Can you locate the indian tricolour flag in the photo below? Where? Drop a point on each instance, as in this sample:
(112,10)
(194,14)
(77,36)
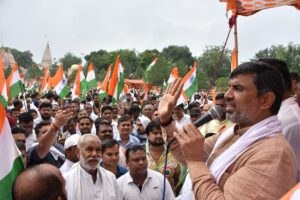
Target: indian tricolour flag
(190,85)
(124,92)
(32,85)
(13,83)
(173,75)
(148,71)
(10,158)
(80,85)
(103,89)
(3,89)
(90,77)
(45,84)
(59,83)
(116,83)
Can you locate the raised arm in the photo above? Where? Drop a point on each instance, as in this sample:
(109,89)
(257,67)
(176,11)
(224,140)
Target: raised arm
(48,139)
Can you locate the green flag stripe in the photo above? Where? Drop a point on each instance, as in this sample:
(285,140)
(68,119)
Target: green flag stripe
(64,92)
(15,89)
(7,182)
(92,84)
(192,89)
(3,101)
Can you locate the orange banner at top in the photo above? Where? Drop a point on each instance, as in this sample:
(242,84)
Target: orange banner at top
(249,7)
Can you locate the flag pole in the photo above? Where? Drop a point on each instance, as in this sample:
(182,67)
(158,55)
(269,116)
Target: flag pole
(236,41)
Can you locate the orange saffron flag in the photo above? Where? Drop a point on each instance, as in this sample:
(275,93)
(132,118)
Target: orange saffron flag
(249,7)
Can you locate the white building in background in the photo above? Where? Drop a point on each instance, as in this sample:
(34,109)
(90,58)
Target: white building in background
(47,57)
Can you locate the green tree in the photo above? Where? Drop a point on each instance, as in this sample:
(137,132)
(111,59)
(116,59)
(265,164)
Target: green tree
(23,58)
(34,72)
(203,80)
(102,59)
(177,54)
(222,84)
(290,54)
(209,59)
(68,60)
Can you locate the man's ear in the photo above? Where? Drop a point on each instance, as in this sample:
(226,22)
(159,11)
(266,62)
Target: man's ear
(78,152)
(267,100)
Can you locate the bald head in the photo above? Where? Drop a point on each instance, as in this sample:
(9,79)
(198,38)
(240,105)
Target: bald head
(46,182)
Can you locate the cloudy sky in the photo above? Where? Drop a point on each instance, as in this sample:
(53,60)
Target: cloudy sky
(82,26)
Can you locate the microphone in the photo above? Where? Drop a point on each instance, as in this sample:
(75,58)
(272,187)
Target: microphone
(216,112)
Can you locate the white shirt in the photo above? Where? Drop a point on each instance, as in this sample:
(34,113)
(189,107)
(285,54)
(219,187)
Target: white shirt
(289,115)
(30,140)
(152,188)
(184,121)
(66,166)
(93,116)
(80,185)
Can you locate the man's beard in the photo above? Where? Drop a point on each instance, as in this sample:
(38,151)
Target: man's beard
(156,142)
(140,132)
(85,131)
(47,117)
(238,115)
(85,163)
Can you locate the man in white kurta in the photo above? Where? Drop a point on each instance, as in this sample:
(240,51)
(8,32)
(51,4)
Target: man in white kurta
(87,180)
(80,185)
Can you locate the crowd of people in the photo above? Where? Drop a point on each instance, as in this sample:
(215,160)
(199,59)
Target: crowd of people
(89,148)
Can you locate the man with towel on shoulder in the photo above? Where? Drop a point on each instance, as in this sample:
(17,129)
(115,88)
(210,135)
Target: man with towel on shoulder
(250,160)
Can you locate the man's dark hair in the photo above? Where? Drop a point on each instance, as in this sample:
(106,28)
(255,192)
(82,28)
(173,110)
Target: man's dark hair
(265,78)
(13,110)
(45,105)
(34,95)
(85,117)
(101,121)
(124,118)
(108,143)
(17,103)
(153,125)
(104,108)
(220,96)
(282,68)
(49,95)
(25,117)
(32,111)
(49,185)
(135,108)
(16,130)
(77,101)
(95,94)
(39,126)
(295,76)
(134,148)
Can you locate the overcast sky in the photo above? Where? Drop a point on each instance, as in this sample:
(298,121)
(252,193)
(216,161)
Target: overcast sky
(82,26)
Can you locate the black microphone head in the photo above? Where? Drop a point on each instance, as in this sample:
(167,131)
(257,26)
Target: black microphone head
(216,112)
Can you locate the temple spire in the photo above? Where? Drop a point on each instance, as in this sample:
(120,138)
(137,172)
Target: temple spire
(47,57)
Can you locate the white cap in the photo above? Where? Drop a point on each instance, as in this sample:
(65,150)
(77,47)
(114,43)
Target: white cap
(71,141)
(144,120)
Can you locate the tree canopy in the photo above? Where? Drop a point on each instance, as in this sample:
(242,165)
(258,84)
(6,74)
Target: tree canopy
(290,54)
(135,63)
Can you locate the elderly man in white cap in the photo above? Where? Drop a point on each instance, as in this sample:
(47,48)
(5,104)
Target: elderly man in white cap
(70,151)
(141,124)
